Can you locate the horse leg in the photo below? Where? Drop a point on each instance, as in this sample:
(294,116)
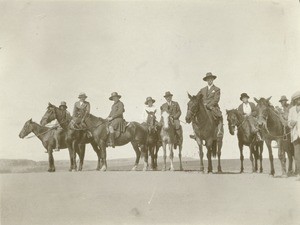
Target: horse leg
(98,152)
(75,146)
(268,143)
(201,154)
(144,151)
(219,147)
(155,155)
(81,155)
(261,148)
(251,147)
(164,168)
(179,155)
(151,150)
(210,169)
(51,161)
(171,157)
(138,155)
(289,151)
(281,156)
(103,156)
(241,157)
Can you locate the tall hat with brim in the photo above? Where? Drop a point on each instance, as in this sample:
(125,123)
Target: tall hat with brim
(209,75)
(244,95)
(296,96)
(283,98)
(82,95)
(149,99)
(114,94)
(64,104)
(168,94)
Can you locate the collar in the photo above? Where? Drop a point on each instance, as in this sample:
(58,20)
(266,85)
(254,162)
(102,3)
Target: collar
(209,87)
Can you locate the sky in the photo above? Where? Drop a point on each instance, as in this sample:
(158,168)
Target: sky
(52,51)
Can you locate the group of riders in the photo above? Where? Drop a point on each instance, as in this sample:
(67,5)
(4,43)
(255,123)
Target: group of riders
(210,96)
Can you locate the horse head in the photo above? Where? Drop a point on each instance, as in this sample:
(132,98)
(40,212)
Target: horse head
(232,119)
(49,115)
(166,119)
(192,107)
(262,108)
(151,121)
(27,129)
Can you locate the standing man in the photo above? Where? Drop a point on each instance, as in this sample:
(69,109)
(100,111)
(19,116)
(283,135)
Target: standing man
(173,109)
(284,110)
(211,97)
(115,118)
(80,111)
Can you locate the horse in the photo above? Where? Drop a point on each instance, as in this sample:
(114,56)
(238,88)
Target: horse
(205,128)
(46,135)
(75,138)
(168,137)
(134,133)
(272,129)
(153,139)
(245,137)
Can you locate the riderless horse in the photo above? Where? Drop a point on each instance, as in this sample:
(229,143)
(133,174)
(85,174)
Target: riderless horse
(272,129)
(75,138)
(134,133)
(205,128)
(46,136)
(236,121)
(168,137)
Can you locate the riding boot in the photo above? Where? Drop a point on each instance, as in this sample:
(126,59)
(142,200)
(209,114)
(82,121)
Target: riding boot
(112,139)
(220,129)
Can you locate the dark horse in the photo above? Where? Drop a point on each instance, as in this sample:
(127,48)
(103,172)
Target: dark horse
(237,121)
(75,138)
(46,135)
(134,133)
(205,128)
(272,129)
(153,140)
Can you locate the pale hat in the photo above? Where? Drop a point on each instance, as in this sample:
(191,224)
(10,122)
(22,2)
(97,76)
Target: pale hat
(149,99)
(114,94)
(82,95)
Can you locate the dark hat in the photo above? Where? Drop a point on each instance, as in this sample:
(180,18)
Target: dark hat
(209,75)
(82,95)
(114,94)
(149,99)
(63,104)
(244,95)
(283,98)
(167,94)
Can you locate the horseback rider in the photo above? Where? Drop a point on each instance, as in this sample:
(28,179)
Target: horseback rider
(115,118)
(173,109)
(80,111)
(211,97)
(248,110)
(149,108)
(58,133)
(284,112)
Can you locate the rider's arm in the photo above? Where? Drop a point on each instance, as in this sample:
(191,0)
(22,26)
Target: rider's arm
(119,110)
(178,112)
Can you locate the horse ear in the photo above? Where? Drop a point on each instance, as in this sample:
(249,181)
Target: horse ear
(30,120)
(255,99)
(227,111)
(154,111)
(268,99)
(189,95)
(147,112)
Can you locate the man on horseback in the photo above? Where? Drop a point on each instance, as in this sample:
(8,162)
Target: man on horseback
(67,117)
(211,97)
(80,111)
(248,110)
(115,118)
(173,109)
(284,112)
(148,108)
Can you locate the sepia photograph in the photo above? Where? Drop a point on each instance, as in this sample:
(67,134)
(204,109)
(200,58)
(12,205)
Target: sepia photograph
(134,112)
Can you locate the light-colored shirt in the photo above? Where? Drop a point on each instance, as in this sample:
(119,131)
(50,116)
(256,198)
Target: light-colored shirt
(209,86)
(294,116)
(247,109)
(149,109)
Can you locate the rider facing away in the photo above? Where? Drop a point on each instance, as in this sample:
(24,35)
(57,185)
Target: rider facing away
(115,118)
(211,97)
(248,110)
(173,109)
(80,111)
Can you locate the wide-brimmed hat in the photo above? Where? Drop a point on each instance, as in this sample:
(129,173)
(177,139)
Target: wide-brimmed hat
(209,75)
(283,98)
(167,94)
(149,99)
(114,94)
(296,96)
(244,95)
(82,95)
(64,104)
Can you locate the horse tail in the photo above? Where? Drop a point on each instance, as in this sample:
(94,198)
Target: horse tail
(214,148)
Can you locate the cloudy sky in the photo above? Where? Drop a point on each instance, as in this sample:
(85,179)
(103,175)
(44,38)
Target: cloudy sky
(51,51)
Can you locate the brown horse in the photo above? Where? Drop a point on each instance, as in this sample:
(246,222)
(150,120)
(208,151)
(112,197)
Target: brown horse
(237,121)
(134,133)
(46,135)
(205,128)
(153,139)
(75,138)
(272,129)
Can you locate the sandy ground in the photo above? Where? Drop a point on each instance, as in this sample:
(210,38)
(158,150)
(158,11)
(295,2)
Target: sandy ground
(116,197)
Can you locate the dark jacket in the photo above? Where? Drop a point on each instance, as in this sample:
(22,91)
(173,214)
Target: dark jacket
(117,110)
(81,111)
(210,97)
(173,109)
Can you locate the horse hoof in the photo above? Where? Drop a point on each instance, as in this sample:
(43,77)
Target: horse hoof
(172,169)
(284,176)
(103,169)
(163,169)
(260,170)
(145,169)
(181,169)
(202,172)
(220,171)
(134,168)
(242,171)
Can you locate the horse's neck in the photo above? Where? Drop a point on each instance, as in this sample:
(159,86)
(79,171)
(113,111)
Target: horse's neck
(202,116)
(92,121)
(273,121)
(61,118)
(39,130)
